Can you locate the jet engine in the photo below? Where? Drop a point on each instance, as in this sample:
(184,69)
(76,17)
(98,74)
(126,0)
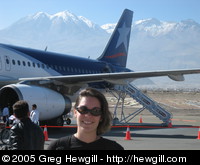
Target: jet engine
(51,104)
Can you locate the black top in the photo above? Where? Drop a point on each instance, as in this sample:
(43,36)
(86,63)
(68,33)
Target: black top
(72,143)
(25,135)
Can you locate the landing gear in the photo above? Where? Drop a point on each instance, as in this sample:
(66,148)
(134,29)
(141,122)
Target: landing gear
(68,121)
(54,122)
(59,121)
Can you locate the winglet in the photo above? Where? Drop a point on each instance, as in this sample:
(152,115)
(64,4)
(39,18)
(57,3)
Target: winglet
(116,50)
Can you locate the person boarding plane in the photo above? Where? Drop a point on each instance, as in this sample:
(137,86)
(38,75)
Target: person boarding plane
(51,79)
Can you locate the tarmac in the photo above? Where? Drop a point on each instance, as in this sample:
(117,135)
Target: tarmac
(145,136)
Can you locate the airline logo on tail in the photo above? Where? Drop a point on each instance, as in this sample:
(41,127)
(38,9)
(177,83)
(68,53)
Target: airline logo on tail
(117,48)
(123,39)
(116,55)
(123,36)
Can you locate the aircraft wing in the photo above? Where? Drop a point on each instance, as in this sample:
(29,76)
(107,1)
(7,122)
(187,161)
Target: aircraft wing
(115,78)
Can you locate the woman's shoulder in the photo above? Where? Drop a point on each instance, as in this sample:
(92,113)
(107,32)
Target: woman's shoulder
(110,144)
(60,144)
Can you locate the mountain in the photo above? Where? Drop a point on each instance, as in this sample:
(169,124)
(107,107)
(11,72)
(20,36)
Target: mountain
(173,45)
(154,44)
(62,32)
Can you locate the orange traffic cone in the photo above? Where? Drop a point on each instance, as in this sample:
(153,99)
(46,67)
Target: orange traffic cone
(45,133)
(198,134)
(140,121)
(128,135)
(170,123)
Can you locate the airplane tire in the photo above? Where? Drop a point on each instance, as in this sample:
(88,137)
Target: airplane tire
(59,121)
(5,135)
(68,121)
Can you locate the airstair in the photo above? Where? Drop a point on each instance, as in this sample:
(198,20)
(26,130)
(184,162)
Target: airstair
(145,101)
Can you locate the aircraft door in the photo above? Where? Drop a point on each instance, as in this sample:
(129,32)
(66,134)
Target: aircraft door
(7,63)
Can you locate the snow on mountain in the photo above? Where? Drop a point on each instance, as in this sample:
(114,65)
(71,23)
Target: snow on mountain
(109,27)
(62,32)
(172,45)
(59,23)
(154,44)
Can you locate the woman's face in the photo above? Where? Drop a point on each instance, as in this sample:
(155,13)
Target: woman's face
(87,122)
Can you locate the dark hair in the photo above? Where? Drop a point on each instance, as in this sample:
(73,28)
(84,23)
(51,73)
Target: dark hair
(106,117)
(34,105)
(21,109)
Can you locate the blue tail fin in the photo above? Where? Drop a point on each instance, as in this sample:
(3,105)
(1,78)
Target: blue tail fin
(116,50)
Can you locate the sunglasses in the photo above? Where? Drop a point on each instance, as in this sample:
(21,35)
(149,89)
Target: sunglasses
(94,111)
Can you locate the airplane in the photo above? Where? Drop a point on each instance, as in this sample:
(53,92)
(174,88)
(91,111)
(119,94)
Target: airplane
(52,80)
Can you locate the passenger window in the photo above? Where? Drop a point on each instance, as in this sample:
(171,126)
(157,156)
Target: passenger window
(38,65)
(43,66)
(13,62)
(7,61)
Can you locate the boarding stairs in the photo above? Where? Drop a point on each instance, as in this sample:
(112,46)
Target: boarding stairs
(145,101)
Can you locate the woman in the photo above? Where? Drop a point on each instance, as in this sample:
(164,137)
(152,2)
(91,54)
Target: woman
(93,119)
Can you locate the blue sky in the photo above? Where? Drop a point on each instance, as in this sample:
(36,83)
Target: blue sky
(102,11)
